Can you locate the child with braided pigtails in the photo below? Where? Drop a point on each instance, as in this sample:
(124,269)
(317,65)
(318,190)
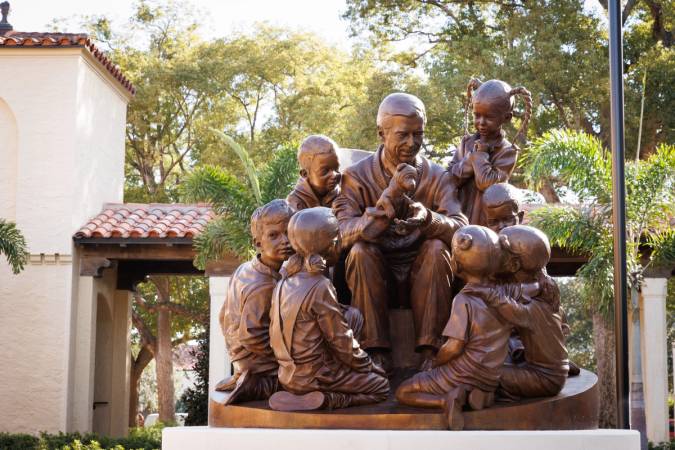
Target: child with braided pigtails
(487,157)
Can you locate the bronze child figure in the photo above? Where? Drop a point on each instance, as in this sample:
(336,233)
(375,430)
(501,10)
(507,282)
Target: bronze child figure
(245,318)
(487,157)
(321,365)
(532,305)
(502,207)
(473,356)
(319,181)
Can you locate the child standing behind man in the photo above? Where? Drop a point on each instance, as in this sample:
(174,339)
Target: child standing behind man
(487,157)
(319,181)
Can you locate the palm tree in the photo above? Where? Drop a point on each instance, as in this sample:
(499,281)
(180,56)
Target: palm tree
(580,163)
(234,199)
(13,246)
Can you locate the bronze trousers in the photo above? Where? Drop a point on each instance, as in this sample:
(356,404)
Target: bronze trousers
(369,270)
(526,381)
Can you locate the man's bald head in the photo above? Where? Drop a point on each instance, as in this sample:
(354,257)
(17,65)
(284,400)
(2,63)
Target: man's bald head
(400,104)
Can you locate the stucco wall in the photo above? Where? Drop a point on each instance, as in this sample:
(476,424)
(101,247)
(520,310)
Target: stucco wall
(8,157)
(69,144)
(34,335)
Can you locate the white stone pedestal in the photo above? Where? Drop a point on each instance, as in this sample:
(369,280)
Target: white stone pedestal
(206,438)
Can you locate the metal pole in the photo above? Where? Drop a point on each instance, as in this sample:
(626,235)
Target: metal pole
(618,212)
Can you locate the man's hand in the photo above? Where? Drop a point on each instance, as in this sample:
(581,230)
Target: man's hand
(418,217)
(377,223)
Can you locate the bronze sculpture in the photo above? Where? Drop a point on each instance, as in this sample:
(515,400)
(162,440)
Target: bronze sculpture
(534,309)
(379,260)
(473,356)
(319,182)
(397,216)
(487,157)
(320,362)
(502,207)
(244,317)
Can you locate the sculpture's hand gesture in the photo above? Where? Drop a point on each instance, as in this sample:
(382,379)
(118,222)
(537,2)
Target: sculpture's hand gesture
(418,217)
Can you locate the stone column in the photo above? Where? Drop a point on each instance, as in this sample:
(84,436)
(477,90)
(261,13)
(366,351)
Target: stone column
(219,361)
(121,363)
(654,357)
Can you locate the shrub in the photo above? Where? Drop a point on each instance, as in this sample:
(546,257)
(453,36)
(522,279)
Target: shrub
(139,439)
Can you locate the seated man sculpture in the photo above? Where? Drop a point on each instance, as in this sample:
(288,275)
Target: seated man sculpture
(413,252)
(473,356)
(245,318)
(320,362)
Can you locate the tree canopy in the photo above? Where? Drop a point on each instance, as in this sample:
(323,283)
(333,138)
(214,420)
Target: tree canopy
(555,48)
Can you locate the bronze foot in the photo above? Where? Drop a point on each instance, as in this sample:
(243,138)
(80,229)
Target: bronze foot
(453,409)
(480,399)
(286,401)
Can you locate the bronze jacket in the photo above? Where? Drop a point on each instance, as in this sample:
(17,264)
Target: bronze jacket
(245,317)
(310,337)
(302,196)
(474,175)
(363,183)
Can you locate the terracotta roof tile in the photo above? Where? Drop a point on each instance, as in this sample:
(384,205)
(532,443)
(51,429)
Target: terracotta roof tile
(154,220)
(31,39)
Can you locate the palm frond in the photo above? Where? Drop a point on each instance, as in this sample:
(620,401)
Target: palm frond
(650,186)
(574,159)
(578,230)
(225,234)
(278,177)
(247,162)
(213,185)
(13,246)
(663,247)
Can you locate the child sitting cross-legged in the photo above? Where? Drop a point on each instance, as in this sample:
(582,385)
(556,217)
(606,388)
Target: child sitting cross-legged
(472,358)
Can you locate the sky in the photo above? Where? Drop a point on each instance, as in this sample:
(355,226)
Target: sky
(222,17)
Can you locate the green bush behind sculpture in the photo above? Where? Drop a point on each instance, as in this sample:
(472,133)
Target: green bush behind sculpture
(139,438)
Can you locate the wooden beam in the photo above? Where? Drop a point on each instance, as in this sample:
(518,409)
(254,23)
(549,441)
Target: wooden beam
(92,266)
(139,252)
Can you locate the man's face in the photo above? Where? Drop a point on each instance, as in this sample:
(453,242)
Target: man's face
(402,138)
(274,246)
(502,216)
(324,173)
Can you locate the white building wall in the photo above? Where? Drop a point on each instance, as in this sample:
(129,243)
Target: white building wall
(69,140)
(8,159)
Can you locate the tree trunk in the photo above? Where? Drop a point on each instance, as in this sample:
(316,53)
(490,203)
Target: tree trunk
(603,339)
(549,193)
(163,356)
(138,365)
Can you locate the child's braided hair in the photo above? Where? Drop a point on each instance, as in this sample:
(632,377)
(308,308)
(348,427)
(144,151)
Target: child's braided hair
(475,84)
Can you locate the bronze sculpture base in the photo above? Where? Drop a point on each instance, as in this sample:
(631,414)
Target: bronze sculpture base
(575,408)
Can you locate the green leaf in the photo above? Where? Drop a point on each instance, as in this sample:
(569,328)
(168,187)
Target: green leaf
(13,246)
(249,167)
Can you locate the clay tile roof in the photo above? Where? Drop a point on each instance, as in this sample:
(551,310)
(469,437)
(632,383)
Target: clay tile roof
(153,220)
(57,40)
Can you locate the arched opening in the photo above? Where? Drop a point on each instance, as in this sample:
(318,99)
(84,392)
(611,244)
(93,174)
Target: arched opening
(9,141)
